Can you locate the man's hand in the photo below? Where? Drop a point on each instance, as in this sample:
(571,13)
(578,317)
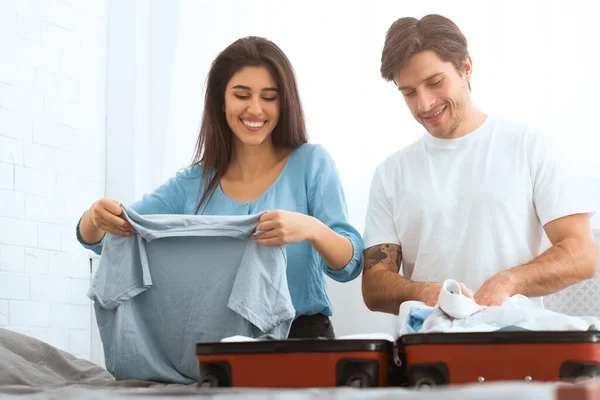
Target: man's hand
(430,291)
(496,289)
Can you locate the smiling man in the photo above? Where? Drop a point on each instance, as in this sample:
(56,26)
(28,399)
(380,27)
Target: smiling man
(471,199)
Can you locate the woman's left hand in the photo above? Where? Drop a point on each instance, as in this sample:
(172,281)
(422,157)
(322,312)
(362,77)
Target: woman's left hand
(284,227)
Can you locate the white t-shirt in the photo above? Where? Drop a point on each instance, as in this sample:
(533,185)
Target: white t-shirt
(470,207)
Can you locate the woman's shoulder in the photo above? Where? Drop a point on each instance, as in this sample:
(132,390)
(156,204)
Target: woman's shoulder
(189,175)
(311,153)
(311,161)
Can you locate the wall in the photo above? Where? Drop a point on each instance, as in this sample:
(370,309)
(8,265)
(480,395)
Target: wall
(52,155)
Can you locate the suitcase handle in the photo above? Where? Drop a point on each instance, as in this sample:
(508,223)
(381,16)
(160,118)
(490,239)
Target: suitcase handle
(396,355)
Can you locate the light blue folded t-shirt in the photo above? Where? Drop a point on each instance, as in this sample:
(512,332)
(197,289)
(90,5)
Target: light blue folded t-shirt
(180,280)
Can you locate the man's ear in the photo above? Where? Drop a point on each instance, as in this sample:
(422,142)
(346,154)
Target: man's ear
(468,69)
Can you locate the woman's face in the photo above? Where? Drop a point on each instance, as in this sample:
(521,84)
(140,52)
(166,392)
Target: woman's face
(252,105)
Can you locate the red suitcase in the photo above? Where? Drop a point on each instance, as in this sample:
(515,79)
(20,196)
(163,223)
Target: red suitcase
(582,391)
(298,363)
(461,358)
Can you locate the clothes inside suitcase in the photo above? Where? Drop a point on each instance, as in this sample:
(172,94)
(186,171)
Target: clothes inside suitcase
(460,358)
(296,363)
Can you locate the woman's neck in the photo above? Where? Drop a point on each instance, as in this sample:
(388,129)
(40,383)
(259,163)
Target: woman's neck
(251,162)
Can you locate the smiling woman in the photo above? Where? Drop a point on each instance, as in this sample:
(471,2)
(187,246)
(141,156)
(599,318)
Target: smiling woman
(253,86)
(257,107)
(252,157)
(252,112)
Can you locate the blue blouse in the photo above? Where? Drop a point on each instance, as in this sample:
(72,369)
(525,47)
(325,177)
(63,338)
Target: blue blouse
(309,183)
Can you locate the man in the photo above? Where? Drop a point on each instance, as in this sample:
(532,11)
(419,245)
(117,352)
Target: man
(470,199)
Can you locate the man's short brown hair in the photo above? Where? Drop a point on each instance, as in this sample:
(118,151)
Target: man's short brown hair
(409,36)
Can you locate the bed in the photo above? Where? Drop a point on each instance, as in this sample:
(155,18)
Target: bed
(32,369)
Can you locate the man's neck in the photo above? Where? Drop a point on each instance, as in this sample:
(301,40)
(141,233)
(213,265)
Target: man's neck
(472,119)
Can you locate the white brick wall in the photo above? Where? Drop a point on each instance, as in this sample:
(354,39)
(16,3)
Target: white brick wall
(11,150)
(36,261)
(3,312)
(52,140)
(29,27)
(15,73)
(7,174)
(12,258)
(8,20)
(15,125)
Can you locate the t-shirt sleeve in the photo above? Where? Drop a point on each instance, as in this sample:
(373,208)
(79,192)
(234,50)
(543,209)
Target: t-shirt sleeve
(379,221)
(327,203)
(123,271)
(558,191)
(260,292)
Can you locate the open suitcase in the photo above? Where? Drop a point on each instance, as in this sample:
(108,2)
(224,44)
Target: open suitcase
(460,358)
(296,363)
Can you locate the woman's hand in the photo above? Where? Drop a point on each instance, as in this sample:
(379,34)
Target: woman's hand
(106,216)
(285,227)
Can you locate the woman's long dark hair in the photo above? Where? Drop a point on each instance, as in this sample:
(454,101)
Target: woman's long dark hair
(214,145)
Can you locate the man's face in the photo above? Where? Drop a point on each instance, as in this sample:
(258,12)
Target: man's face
(436,93)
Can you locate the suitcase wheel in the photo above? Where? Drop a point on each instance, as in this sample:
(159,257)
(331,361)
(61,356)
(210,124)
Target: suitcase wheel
(579,371)
(216,374)
(357,373)
(359,379)
(427,376)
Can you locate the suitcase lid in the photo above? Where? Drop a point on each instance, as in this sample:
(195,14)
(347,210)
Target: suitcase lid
(294,346)
(501,337)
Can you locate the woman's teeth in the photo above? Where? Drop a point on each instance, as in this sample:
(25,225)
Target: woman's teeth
(253,124)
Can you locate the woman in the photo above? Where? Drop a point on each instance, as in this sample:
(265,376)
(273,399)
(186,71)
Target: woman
(252,156)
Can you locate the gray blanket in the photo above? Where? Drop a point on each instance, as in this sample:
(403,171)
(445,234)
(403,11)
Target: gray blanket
(35,369)
(28,361)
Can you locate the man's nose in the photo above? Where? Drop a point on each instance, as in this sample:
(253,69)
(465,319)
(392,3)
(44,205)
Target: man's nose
(425,101)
